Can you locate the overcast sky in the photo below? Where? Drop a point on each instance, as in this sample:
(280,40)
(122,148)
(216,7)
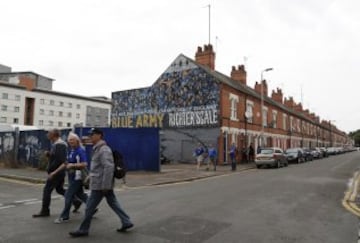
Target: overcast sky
(96,47)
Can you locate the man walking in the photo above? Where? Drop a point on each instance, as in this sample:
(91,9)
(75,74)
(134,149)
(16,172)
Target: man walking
(199,154)
(233,153)
(212,157)
(101,185)
(56,174)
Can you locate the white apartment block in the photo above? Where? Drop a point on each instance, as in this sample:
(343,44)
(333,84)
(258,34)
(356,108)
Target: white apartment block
(27,98)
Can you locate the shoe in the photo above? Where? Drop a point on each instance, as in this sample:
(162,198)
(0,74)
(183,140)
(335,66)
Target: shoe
(124,228)
(41,214)
(61,220)
(77,234)
(77,205)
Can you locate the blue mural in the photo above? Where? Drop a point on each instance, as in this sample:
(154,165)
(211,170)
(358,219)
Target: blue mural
(184,96)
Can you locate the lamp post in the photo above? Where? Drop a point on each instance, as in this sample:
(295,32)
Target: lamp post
(262,101)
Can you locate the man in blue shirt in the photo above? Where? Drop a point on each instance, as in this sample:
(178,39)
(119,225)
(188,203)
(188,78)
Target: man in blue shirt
(199,154)
(212,157)
(232,153)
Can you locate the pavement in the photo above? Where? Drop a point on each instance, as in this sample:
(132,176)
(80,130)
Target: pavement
(170,173)
(301,203)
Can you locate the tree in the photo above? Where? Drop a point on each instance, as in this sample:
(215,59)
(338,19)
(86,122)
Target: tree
(356,137)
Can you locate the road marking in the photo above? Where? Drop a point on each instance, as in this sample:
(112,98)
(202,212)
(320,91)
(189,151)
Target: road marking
(20,182)
(33,202)
(6,207)
(56,197)
(26,200)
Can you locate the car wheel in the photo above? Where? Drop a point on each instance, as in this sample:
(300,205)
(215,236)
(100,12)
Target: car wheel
(258,166)
(278,164)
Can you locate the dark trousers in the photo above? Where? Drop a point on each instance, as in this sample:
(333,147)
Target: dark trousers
(57,183)
(93,202)
(75,190)
(233,162)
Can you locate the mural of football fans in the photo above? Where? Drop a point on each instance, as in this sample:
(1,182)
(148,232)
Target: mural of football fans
(184,90)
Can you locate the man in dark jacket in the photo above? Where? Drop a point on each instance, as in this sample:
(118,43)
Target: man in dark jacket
(56,174)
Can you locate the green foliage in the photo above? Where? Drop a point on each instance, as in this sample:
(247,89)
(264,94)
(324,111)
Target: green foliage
(356,137)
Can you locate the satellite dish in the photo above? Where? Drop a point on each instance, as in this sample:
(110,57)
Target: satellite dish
(248,114)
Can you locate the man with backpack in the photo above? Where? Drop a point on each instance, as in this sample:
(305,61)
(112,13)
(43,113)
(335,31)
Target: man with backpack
(101,185)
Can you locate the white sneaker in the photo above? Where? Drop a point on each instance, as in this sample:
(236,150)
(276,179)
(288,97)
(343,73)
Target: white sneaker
(60,221)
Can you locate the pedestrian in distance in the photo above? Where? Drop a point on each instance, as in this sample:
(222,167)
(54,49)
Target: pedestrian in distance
(101,185)
(252,152)
(233,153)
(212,157)
(199,154)
(75,165)
(56,174)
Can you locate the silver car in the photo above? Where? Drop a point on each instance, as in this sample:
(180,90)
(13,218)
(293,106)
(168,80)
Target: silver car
(274,157)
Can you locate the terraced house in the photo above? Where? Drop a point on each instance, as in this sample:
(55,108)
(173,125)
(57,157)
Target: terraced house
(192,102)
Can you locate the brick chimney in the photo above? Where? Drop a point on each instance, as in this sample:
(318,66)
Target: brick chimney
(239,74)
(206,56)
(277,95)
(258,87)
(289,103)
(298,107)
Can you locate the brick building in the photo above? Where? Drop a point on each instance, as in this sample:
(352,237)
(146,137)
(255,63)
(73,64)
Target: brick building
(192,102)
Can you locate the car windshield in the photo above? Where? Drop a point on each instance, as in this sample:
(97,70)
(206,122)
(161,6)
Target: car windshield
(267,151)
(291,151)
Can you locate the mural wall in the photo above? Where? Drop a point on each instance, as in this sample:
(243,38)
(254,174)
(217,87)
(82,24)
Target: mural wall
(184,96)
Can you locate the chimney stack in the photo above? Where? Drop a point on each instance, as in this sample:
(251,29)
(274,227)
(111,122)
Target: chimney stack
(239,74)
(277,95)
(258,88)
(289,103)
(206,56)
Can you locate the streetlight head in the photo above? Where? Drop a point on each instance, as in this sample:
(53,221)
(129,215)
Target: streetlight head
(268,69)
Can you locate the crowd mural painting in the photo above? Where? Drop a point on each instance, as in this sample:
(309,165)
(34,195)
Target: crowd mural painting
(185,96)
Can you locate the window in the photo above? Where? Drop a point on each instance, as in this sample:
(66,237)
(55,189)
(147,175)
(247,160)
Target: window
(61,103)
(17,97)
(68,124)
(249,110)
(60,113)
(16,120)
(42,111)
(41,123)
(78,106)
(42,101)
(5,96)
(298,125)
(3,119)
(77,115)
(4,107)
(16,108)
(69,114)
(274,119)
(264,116)
(51,123)
(291,123)
(70,105)
(284,121)
(60,124)
(52,102)
(51,113)
(234,100)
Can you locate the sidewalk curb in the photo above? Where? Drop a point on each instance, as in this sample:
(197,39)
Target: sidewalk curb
(189,179)
(349,201)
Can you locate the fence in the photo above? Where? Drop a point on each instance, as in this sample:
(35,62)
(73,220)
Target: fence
(140,147)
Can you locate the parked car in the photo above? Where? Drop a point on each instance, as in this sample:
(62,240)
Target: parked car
(274,157)
(317,154)
(331,151)
(324,152)
(308,154)
(295,155)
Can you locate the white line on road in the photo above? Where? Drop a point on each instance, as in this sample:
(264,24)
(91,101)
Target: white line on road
(6,207)
(33,202)
(56,197)
(26,200)
(1,204)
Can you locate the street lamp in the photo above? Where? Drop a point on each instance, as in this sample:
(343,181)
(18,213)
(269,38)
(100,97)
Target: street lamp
(262,100)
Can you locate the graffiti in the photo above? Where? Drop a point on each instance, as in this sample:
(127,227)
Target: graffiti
(183,96)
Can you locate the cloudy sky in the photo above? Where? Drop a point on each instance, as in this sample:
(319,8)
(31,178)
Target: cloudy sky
(96,47)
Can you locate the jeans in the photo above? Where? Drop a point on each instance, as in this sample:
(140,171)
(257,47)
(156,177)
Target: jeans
(57,183)
(75,189)
(93,202)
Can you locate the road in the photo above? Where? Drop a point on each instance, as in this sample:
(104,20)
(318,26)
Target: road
(300,203)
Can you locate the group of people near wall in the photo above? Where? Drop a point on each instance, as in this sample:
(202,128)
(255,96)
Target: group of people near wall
(70,158)
(208,155)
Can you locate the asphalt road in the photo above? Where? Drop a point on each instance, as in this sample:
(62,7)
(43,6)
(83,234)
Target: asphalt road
(301,203)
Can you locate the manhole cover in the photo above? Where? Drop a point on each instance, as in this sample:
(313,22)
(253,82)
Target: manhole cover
(184,229)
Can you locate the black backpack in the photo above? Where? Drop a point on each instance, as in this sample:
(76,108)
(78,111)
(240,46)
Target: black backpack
(120,167)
